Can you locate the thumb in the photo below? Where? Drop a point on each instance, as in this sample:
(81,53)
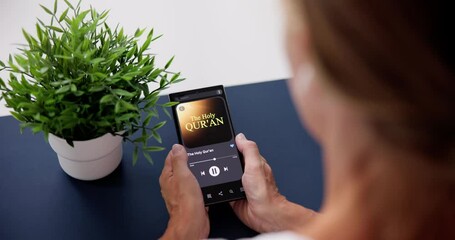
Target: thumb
(251,155)
(254,179)
(179,160)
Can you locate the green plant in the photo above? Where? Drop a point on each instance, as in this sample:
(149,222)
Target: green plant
(79,79)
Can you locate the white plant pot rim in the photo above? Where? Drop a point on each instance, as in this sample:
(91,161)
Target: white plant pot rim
(91,148)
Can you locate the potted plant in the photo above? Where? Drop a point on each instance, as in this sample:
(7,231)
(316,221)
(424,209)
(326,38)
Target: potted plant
(87,87)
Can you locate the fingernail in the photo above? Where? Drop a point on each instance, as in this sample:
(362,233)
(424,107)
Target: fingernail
(241,136)
(176,148)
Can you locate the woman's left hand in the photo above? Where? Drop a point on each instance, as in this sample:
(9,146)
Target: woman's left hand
(188,218)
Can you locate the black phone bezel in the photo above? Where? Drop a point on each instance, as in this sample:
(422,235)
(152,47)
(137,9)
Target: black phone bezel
(221,192)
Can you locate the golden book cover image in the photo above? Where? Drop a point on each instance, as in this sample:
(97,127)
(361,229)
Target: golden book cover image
(204,122)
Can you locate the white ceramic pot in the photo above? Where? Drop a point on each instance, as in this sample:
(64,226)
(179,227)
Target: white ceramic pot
(88,160)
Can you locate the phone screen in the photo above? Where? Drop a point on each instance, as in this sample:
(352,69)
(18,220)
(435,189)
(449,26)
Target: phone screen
(205,130)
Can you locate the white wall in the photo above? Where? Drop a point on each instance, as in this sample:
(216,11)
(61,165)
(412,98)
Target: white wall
(226,42)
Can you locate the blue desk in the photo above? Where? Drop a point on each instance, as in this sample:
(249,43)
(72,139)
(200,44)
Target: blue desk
(39,201)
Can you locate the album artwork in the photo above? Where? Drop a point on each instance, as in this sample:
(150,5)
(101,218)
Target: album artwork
(204,122)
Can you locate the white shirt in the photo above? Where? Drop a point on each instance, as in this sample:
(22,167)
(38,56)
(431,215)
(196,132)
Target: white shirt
(287,235)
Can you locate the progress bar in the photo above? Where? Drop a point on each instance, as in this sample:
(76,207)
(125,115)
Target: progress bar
(211,159)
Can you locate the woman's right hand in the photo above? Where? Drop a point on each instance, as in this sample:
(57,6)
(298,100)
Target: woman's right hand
(265,209)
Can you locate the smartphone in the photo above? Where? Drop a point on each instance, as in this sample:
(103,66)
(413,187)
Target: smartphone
(204,128)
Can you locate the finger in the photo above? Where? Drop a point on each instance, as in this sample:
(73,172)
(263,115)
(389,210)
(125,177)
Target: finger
(269,174)
(239,139)
(234,203)
(237,206)
(179,160)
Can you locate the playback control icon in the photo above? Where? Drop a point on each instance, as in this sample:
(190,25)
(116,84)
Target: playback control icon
(214,171)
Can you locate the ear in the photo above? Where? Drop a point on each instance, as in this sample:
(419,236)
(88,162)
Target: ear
(298,48)
(309,99)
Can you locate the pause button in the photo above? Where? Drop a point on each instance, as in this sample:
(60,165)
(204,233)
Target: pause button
(214,171)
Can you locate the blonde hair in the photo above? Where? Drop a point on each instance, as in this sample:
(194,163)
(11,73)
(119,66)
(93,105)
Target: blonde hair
(395,59)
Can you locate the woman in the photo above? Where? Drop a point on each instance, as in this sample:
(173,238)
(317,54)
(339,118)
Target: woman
(373,82)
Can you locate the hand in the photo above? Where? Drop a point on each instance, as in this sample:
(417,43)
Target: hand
(188,218)
(265,209)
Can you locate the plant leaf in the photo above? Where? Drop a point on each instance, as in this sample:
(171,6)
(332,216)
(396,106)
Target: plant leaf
(37,128)
(168,64)
(129,106)
(2,85)
(167,113)
(153,149)
(127,116)
(63,57)
(155,38)
(118,107)
(170,104)
(63,89)
(55,28)
(97,89)
(135,157)
(107,99)
(139,32)
(63,16)
(97,60)
(157,136)
(69,4)
(18,116)
(148,118)
(46,9)
(55,6)
(148,157)
(43,70)
(122,92)
(159,125)
(145,45)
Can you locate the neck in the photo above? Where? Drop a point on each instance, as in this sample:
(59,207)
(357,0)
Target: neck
(377,195)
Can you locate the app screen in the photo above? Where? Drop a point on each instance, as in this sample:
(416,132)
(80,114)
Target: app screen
(209,140)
